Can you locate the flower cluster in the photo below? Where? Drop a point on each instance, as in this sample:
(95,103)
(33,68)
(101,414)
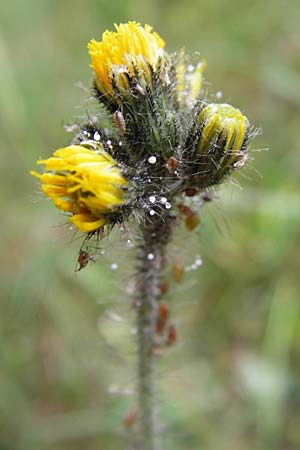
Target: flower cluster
(154,139)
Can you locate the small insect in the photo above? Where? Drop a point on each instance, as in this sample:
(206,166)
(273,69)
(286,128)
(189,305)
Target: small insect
(185,210)
(172,164)
(191,217)
(191,192)
(162,317)
(177,271)
(172,335)
(192,221)
(84,258)
(130,417)
(120,122)
(164,287)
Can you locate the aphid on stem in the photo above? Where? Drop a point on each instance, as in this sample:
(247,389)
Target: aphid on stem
(84,258)
(162,317)
(130,418)
(172,335)
(120,122)
(177,271)
(172,164)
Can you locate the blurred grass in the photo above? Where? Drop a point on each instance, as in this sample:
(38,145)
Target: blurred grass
(233,380)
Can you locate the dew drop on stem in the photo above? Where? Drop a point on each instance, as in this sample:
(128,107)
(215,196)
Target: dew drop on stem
(152,159)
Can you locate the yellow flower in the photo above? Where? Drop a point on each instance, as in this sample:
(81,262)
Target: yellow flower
(223,127)
(85,182)
(127,51)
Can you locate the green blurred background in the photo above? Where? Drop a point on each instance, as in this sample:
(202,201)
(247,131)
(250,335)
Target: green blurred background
(67,347)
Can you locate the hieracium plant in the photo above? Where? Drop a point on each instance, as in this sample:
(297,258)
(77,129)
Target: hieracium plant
(153,142)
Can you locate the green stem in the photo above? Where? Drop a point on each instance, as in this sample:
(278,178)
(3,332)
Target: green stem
(150,266)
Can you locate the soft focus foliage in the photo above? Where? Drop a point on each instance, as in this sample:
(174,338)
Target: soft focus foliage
(233,379)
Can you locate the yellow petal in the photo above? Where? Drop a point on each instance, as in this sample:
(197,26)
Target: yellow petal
(87,222)
(72,150)
(54,164)
(64,205)
(52,190)
(104,202)
(35,174)
(51,178)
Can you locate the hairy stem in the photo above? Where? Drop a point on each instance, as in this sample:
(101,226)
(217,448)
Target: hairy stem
(151,255)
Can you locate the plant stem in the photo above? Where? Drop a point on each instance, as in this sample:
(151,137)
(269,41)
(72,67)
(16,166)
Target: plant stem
(151,255)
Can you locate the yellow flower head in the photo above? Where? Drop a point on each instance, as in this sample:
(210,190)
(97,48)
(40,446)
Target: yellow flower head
(226,123)
(84,182)
(130,48)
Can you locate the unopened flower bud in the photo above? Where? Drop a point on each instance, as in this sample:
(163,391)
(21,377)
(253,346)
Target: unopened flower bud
(224,133)
(216,146)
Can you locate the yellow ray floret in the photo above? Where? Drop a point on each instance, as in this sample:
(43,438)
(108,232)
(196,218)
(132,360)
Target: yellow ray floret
(84,182)
(131,47)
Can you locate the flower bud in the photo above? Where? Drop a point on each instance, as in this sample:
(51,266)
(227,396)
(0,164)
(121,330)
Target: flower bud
(226,125)
(222,142)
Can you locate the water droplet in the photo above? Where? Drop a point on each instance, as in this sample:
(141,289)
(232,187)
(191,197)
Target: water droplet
(71,228)
(96,136)
(152,199)
(120,144)
(163,200)
(150,256)
(108,142)
(190,68)
(196,264)
(152,212)
(152,159)
(129,243)
(168,205)
(198,261)
(86,133)
(219,94)
(114,266)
